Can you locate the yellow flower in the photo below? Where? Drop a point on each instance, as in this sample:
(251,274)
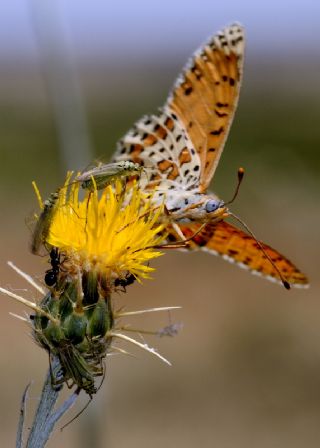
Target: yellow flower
(112,232)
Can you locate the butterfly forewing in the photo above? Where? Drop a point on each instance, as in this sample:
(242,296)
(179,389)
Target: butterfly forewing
(205,96)
(161,144)
(184,142)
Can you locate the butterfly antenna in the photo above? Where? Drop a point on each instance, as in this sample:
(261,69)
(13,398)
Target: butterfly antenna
(240,178)
(285,283)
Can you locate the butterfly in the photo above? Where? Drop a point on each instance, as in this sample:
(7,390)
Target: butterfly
(181,147)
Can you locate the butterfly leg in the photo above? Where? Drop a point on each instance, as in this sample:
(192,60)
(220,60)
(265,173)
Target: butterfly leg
(178,231)
(183,243)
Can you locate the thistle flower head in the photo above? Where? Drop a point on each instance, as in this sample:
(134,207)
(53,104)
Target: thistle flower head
(112,233)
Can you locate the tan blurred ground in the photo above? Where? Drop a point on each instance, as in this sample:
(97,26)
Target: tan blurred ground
(246,366)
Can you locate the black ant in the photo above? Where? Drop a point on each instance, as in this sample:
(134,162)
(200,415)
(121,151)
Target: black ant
(51,276)
(126,281)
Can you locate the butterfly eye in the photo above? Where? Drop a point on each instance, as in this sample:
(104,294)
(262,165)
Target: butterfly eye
(212,205)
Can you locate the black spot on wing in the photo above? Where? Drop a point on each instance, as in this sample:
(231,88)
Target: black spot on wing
(217,131)
(220,114)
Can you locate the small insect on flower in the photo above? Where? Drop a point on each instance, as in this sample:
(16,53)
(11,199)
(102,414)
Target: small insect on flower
(106,174)
(51,276)
(123,282)
(44,221)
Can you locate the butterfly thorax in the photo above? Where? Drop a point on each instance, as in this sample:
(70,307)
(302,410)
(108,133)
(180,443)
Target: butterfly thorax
(192,206)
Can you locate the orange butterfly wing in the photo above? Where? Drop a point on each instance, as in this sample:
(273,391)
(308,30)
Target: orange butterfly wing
(206,95)
(236,246)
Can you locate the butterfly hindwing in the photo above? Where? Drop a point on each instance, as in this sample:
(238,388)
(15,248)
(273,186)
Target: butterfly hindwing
(236,246)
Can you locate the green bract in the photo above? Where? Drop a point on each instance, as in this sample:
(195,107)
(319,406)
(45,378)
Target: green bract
(81,316)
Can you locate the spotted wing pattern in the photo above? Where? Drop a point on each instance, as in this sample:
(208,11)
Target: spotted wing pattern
(182,145)
(236,246)
(161,144)
(206,95)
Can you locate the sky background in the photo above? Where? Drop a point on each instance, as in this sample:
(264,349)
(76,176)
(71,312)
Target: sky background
(120,27)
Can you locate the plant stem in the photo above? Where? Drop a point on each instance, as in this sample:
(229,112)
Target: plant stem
(45,417)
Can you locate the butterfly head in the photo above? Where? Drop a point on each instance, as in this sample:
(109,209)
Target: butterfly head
(215,209)
(213,205)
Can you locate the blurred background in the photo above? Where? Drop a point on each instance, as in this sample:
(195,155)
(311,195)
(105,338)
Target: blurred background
(74,76)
